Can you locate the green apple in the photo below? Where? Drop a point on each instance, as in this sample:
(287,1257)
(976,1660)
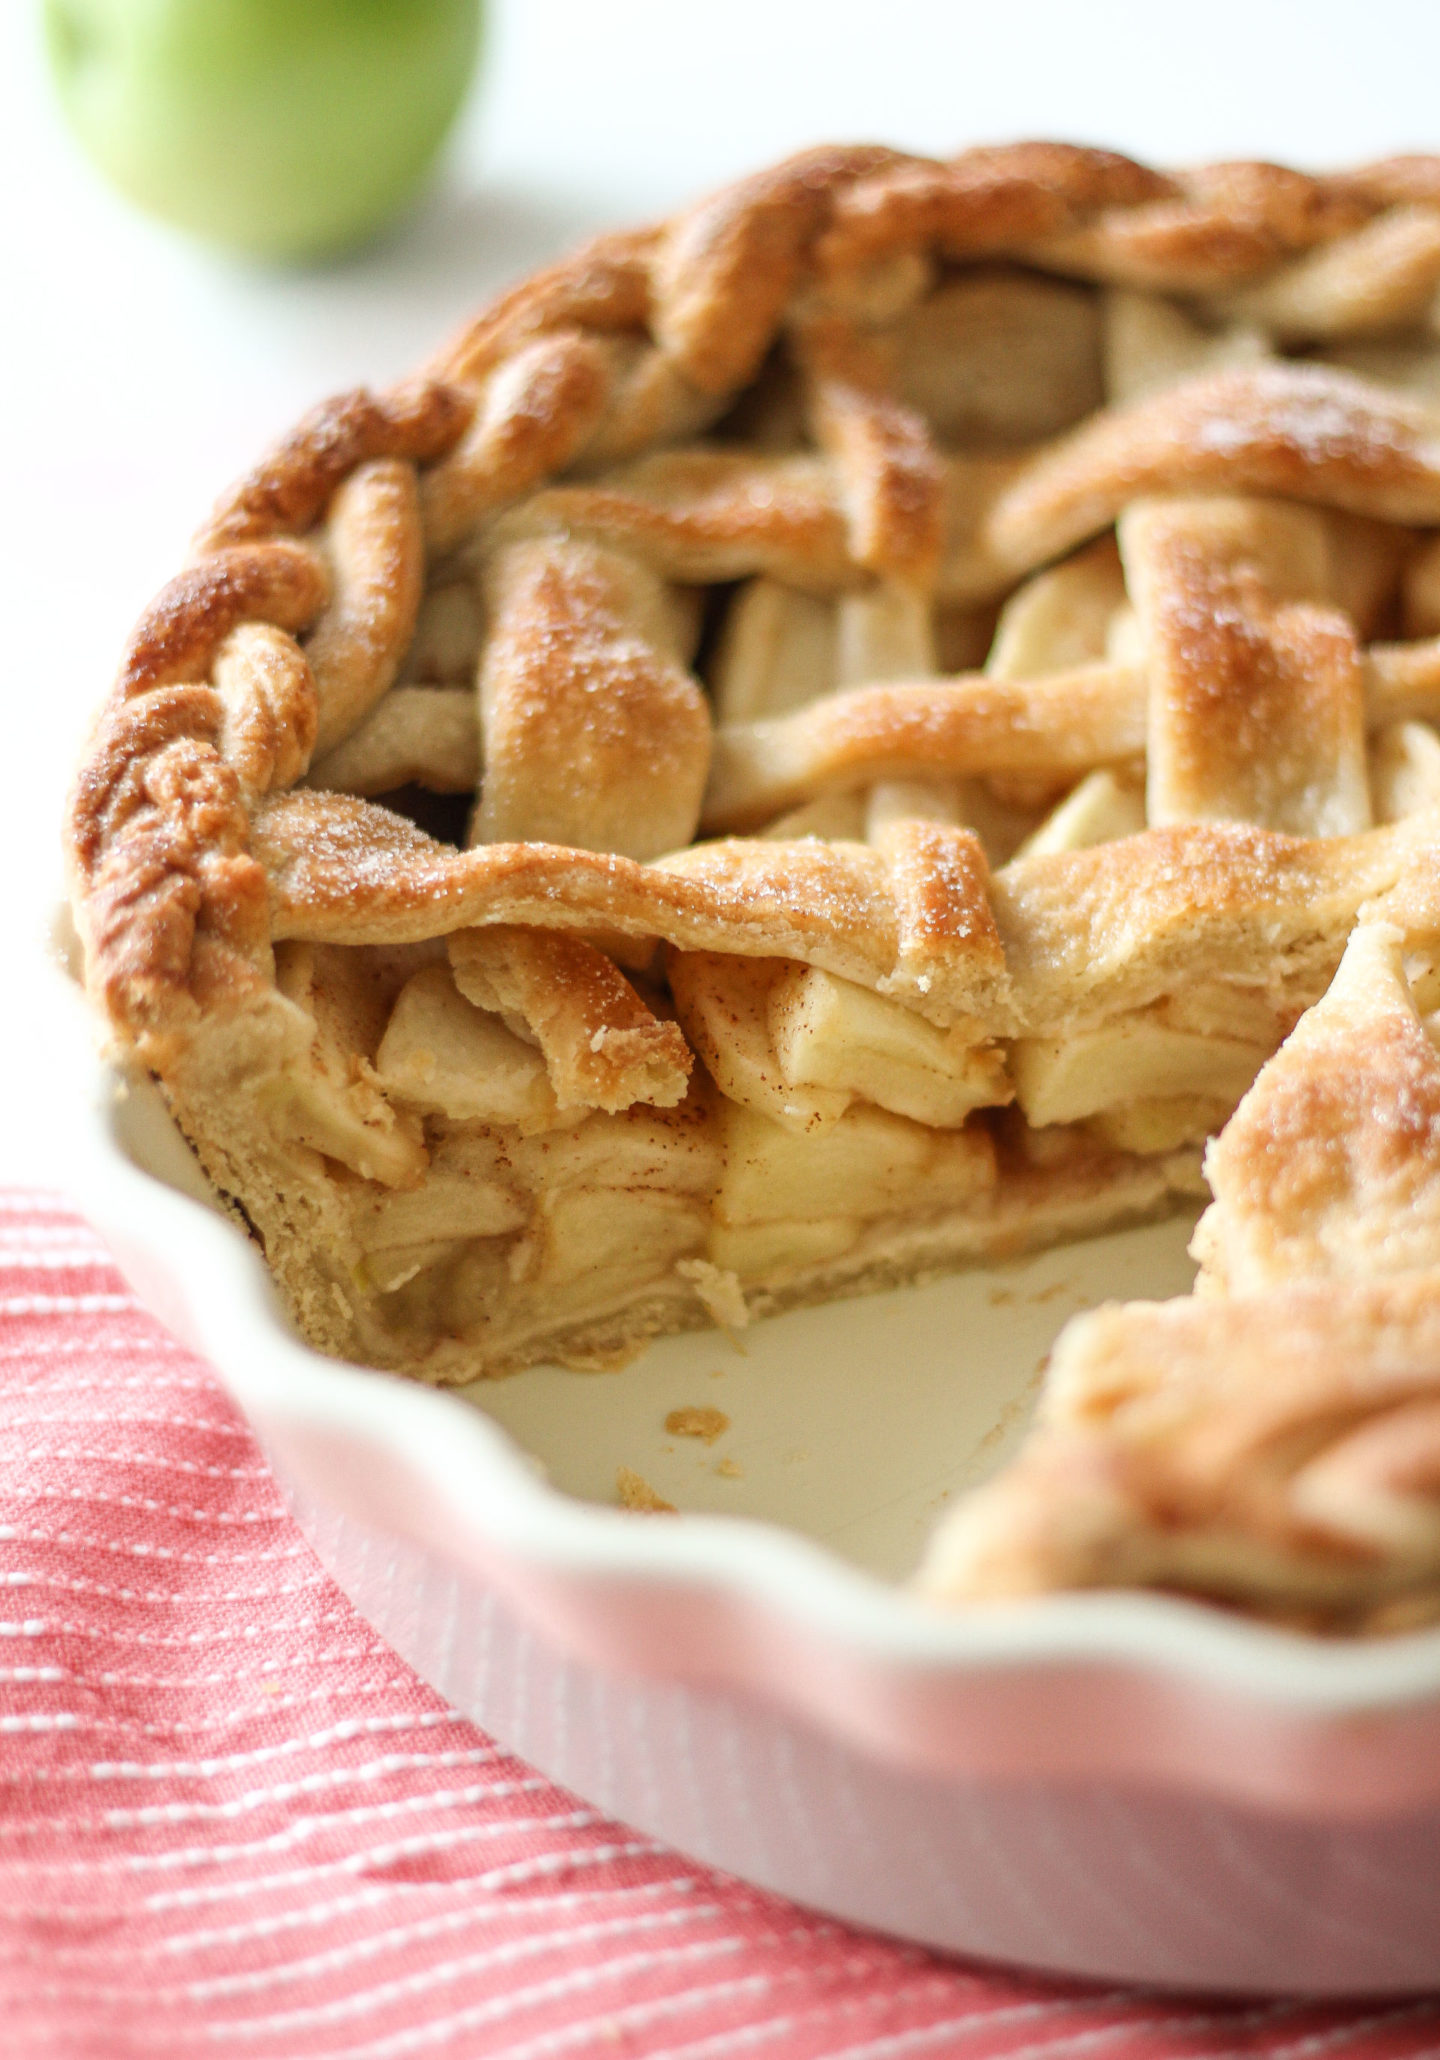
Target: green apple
(283,128)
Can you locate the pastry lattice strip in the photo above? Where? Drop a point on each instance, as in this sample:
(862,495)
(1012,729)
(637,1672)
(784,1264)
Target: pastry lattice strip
(986,204)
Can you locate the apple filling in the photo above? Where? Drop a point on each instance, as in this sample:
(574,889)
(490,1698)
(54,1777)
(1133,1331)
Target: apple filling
(788,1200)
(1156,1078)
(800,1045)
(1138,1066)
(527,1149)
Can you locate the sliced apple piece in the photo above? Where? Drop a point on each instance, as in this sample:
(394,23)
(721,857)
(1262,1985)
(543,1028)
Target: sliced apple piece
(345,1122)
(757,1251)
(440,1052)
(831,1033)
(329,1096)
(1161,1124)
(1059,618)
(1097,811)
(901,801)
(464,1293)
(470,1191)
(1062,1079)
(395,1267)
(1150,343)
(675,1151)
(836,817)
(868,1164)
(722,1004)
(1404,770)
(630,1233)
(776,652)
(1226,1008)
(884,633)
(595,1249)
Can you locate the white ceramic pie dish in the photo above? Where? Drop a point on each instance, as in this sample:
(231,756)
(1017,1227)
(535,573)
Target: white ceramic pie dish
(1121,1786)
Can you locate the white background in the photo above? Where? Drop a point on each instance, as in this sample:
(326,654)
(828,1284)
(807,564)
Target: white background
(139,372)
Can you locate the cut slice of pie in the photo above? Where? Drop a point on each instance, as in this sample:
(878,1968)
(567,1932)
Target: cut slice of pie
(825,741)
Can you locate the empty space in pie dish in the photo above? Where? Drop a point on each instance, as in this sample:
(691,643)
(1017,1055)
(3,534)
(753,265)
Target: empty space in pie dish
(855,1423)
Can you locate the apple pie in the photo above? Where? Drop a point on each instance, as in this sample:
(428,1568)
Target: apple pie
(877,724)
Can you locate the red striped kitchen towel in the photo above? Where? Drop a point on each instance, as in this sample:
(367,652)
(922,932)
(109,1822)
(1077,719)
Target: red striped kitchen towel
(217,1783)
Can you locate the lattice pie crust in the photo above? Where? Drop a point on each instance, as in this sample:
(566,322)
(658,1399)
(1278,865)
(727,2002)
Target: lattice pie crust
(935,664)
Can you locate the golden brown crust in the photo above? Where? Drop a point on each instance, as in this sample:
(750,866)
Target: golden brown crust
(1410,180)
(728,266)
(178,635)
(1331,1164)
(172,910)
(603,1047)
(421,736)
(538,408)
(948,943)
(1300,431)
(272,711)
(343,871)
(604,286)
(377,561)
(891,478)
(1256,700)
(708,514)
(287,492)
(986,200)
(1058,724)
(1226,222)
(593,735)
(1375,281)
(1088,932)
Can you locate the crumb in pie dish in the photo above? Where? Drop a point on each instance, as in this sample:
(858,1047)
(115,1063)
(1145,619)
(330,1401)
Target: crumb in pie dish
(635,1493)
(886,722)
